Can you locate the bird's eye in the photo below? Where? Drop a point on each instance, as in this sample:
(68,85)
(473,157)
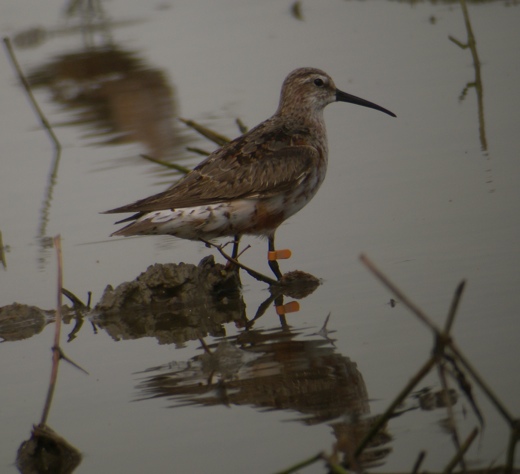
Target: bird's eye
(318,82)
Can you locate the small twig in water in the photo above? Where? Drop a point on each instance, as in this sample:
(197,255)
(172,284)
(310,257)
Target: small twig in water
(253,273)
(69,360)
(55,347)
(76,302)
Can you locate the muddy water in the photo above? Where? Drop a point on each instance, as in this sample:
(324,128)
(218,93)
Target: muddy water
(432,197)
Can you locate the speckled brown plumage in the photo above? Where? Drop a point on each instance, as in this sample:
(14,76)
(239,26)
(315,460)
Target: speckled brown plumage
(255,182)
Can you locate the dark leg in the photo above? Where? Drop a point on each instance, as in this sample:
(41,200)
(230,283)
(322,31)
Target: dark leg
(234,254)
(273,264)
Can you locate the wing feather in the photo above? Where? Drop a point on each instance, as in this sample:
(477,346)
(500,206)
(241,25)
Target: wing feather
(242,169)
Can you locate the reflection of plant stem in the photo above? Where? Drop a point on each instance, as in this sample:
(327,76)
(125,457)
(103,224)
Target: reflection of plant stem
(452,424)
(25,83)
(57,331)
(46,205)
(460,453)
(45,123)
(442,373)
(513,440)
(483,385)
(442,337)
(418,462)
(381,420)
(57,353)
(477,84)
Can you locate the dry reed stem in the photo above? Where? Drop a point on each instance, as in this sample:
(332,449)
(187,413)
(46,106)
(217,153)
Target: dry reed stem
(441,336)
(454,306)
(442,340)
(256,275)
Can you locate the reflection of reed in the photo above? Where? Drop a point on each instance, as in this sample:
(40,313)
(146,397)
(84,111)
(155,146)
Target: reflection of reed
(109,90)
(43,240)
(115,95)
(57,146)
(477,84)
(92,19)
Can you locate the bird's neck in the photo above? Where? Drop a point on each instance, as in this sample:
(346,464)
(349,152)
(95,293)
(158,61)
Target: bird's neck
(305,115)
(309,123)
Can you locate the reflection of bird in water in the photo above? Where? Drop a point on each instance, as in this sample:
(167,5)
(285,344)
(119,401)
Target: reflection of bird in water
(254,183)
(275,369)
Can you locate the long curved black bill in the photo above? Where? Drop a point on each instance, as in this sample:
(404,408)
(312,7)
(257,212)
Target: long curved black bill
(344,97)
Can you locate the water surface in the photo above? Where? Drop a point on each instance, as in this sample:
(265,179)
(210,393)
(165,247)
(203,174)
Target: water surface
(431,196)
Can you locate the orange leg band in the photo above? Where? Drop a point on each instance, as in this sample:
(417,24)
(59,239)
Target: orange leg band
(278,254)
(291,307)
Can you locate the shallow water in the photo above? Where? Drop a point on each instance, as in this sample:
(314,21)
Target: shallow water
(432,197)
